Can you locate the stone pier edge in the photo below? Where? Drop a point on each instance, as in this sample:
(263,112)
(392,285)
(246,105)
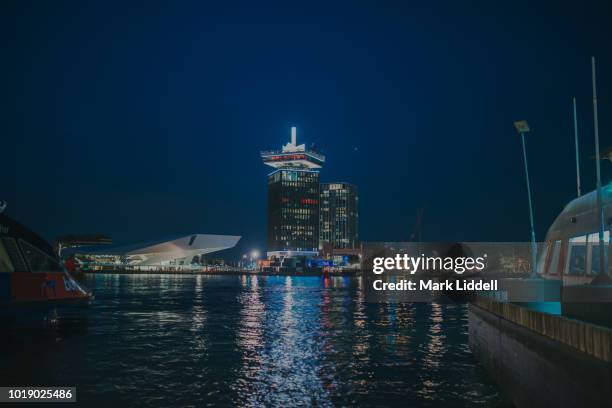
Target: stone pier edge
(588,338)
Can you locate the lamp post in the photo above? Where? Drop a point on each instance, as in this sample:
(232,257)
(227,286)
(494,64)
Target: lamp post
(254,256)
(576,143)
(603,261)
(522,127)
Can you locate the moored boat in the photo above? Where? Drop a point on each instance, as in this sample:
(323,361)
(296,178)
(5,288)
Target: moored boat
(33,281)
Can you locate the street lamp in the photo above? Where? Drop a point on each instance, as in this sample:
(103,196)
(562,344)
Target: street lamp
(522,127)
(603,258)
(254,256)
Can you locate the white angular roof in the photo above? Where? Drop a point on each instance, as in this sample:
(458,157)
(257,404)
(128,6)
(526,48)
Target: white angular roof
(157,252)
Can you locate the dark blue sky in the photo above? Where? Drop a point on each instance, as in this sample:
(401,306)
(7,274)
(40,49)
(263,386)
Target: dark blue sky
(140,120)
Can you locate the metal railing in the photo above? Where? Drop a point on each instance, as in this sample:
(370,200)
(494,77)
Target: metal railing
(280,152)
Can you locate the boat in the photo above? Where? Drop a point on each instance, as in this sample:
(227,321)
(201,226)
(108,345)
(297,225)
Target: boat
(571,255)
(34,284)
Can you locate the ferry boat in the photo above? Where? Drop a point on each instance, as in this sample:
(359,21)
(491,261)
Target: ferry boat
(33,281)
(571,255)
(572,241)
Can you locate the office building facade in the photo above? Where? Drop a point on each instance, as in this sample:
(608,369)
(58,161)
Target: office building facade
(339,217)
(293,200)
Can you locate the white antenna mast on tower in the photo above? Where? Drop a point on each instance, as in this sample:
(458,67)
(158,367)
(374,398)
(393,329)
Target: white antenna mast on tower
(292,146)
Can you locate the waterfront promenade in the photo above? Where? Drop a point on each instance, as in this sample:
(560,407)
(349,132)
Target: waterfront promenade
(540,359)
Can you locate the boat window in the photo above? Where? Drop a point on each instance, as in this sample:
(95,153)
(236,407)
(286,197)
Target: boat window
(5,262)
(37,259)
(553,269)
(542,258)
(577,251)
(594,244)
(14,254)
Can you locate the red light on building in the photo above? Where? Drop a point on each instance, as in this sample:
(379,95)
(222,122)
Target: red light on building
(286,157)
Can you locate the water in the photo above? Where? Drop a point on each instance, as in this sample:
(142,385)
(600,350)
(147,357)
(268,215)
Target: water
(185,340)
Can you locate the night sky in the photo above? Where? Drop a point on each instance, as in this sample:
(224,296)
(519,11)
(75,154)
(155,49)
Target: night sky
(140,120)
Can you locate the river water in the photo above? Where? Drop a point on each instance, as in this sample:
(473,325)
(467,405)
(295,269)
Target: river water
(187,340)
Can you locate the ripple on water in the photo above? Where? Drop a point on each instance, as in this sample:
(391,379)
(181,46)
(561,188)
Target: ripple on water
(156,340)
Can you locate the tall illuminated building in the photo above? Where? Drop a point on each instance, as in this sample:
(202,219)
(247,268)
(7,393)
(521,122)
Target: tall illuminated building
(339,215)
(293,200)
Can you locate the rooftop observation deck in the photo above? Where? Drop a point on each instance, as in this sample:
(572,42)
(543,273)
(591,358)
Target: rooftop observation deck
(293,159)
(293,156)
(280,152)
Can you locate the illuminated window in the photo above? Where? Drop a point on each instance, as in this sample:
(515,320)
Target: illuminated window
(553,269)
(577,251)
(594,248)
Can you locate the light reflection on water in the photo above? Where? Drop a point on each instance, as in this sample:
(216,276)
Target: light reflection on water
(161,340)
